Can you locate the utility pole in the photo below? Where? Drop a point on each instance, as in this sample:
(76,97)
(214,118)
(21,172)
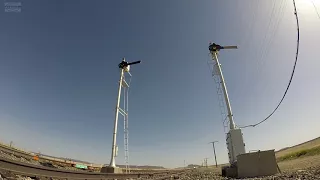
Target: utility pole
(214,151)
(206,162)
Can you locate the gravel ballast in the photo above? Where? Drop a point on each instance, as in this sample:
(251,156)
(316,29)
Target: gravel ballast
(310,173)
(307,174)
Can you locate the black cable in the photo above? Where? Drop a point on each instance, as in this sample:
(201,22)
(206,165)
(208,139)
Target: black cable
(294,67)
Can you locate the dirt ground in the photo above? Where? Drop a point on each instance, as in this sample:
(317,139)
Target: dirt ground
(289,165)
(300,163)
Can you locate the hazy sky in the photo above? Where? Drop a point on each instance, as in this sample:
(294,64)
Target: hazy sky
(59,75)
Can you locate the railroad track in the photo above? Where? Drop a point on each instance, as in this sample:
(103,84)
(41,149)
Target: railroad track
(28,156)
(15,152)
(19,168)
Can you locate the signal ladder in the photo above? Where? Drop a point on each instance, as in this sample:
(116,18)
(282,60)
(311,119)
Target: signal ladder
(223,109)
(124,113)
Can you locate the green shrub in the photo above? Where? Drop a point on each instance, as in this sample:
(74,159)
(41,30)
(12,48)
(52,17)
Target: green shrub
(301,153)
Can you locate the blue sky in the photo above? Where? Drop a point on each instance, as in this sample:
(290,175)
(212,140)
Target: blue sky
(59,75)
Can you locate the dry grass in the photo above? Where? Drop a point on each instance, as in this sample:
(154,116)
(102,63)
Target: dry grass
(301,153)
(300,163)
(285,166)
(306,145)
(301,156)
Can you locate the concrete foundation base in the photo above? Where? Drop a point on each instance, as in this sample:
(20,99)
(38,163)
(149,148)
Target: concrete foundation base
(108,169)
(228,171)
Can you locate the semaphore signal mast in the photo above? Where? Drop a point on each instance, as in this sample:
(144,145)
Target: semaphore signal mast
(242,164)
(234,137)
(124,69)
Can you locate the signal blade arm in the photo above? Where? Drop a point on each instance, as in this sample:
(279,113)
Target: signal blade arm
(217,47)
(230,47)
(135,62)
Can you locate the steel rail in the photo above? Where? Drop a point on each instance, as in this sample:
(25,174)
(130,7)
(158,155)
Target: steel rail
(15,152)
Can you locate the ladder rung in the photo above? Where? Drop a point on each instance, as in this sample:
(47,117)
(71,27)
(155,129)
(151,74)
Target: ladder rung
(124,83)
(122,111)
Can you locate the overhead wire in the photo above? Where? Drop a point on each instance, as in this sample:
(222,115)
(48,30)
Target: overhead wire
(251,24)
(270,29)
(315,8)
(253,20)
(292,74)
(270,42)
(263,49)
(248,36)
(273,33)
(262,44)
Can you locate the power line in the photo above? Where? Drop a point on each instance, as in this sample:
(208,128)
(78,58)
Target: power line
(270,42)
(273,33)
(293,70)
(248,33)
(272,27)
(315,8)
(262,44)
(268,28)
